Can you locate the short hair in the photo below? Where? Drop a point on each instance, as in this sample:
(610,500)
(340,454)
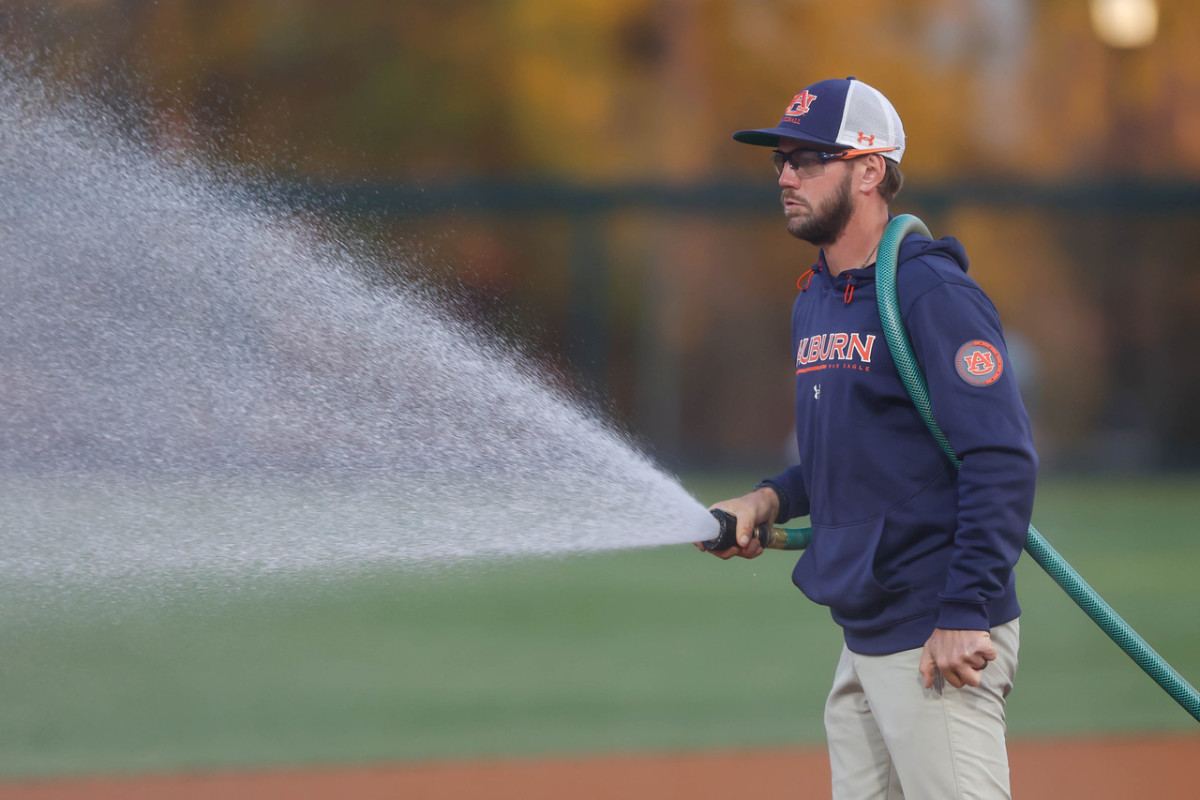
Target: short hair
(893,179)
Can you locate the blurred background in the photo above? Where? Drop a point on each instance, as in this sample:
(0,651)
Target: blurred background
(566,168)
(569,167)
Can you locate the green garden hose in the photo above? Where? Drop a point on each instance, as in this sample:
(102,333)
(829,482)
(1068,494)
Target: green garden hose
(1037,547)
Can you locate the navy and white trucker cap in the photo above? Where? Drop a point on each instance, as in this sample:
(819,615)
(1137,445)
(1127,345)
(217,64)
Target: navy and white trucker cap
(837,114)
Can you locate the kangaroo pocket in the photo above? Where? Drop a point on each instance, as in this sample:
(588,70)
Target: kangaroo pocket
(836,570)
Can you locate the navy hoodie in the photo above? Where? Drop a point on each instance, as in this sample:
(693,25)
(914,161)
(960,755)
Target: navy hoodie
(902,542)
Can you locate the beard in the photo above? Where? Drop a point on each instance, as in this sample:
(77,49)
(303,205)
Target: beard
(824,225)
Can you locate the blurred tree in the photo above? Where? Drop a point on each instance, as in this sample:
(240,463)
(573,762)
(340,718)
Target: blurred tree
(646,91)
(621,89)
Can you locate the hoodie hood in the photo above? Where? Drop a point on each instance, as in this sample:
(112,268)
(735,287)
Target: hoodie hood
(918,246)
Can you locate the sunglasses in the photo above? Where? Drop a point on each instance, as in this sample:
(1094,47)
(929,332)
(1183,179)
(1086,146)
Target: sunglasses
(811,163)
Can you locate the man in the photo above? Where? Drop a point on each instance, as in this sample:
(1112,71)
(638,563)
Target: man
(913,558)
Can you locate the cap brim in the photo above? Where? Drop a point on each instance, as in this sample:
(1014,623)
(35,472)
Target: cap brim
(769,137)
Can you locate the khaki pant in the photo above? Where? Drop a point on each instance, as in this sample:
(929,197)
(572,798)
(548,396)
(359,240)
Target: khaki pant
(890,737)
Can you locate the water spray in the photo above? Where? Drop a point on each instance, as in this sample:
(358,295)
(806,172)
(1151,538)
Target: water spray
(202,389)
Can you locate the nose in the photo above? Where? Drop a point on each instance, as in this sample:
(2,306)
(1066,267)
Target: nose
(788,178)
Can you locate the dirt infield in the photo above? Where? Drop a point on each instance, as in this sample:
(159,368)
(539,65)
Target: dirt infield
(1102,768)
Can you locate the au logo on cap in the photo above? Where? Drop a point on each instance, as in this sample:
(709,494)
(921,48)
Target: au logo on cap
(799,105)
(979,363)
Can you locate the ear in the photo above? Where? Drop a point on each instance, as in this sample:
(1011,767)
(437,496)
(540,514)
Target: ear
(873,171)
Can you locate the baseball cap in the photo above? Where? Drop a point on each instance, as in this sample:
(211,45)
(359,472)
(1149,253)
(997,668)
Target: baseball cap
(837,114)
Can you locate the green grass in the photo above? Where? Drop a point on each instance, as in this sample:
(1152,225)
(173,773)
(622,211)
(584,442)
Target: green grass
(654,649)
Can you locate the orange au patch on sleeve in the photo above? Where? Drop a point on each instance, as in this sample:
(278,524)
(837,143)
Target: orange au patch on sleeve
(979,363)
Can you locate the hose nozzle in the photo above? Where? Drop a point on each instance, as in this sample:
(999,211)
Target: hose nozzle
(770,538)
(727,534)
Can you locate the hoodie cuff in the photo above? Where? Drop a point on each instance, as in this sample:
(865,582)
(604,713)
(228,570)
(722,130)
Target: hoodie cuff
(784,504)
(963,616)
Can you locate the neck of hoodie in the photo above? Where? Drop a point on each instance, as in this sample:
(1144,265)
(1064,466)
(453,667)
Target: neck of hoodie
(844,282)
(913,247)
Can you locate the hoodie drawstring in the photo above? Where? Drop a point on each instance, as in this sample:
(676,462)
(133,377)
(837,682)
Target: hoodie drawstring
(806,278)
(803,282)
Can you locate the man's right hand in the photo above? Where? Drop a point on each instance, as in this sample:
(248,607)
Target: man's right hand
(751,510)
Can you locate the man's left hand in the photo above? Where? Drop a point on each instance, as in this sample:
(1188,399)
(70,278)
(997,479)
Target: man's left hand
(959,655)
